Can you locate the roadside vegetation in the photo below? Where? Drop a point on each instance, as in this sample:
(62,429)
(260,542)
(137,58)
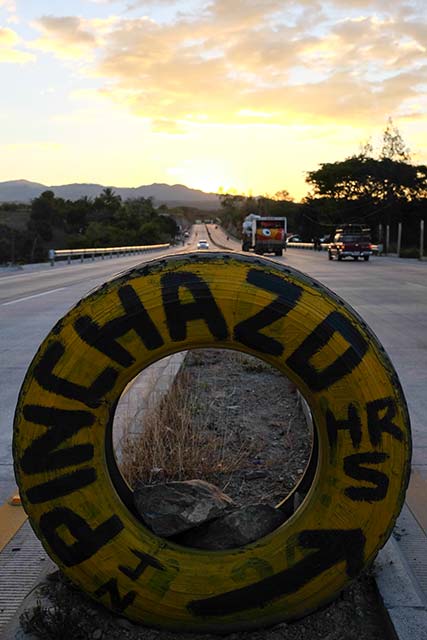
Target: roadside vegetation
(372,188)
(179,441)
(28,231)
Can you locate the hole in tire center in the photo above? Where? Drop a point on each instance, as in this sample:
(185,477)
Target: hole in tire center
(221,416)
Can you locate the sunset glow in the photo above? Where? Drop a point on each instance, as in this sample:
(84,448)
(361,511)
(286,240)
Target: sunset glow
(242,95)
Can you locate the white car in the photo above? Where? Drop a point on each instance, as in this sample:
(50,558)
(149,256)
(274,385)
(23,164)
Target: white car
(203,244)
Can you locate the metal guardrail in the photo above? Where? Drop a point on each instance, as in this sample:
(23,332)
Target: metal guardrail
(377,249)
(307,245)
(68,254)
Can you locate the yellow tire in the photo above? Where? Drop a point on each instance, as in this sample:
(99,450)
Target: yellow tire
(80,507)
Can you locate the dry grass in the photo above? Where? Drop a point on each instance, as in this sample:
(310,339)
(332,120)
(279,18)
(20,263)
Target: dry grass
(179,440)
(53,622)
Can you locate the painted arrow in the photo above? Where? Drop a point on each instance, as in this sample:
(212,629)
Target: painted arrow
(333,546)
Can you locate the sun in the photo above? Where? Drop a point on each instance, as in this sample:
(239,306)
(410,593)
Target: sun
(206,178)
(208,182)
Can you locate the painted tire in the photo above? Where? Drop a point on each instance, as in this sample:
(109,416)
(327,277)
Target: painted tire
(82,510)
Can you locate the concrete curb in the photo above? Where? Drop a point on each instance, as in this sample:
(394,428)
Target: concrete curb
(13,630)
(142,393)
(403,599)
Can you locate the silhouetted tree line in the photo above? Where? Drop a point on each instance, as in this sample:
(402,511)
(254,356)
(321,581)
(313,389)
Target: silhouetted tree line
(105,221)
(366,188)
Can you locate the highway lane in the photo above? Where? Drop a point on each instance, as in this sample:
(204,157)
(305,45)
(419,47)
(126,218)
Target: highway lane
(390,295)
(44,278)
(32,300)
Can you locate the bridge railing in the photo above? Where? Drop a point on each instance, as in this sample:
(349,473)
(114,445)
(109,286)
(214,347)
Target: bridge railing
(377,249)
(306,245)
(69,254)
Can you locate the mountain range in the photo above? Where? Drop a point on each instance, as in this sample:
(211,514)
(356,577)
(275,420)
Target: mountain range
(171,195)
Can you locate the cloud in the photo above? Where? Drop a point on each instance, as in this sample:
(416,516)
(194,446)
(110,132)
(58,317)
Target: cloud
(8,53)
(172,127)
(252,61)
(8,38)
(67,36)
(8,5)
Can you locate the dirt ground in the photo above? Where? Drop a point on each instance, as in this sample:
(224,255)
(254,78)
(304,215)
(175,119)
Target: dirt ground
(253,409)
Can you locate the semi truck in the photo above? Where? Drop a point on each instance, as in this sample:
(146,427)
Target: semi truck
(264,235)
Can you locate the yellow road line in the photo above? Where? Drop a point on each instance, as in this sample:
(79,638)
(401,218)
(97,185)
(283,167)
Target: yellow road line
(12,517)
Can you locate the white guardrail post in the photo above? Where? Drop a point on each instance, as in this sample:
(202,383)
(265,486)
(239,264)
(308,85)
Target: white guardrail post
(92,252)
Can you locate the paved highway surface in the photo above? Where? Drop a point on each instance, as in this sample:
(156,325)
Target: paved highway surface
(389,293)
(391,296)
(31,301)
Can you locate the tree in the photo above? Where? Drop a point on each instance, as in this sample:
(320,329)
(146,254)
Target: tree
(106,205)
(141,208)
(393,147)
(77,213)
(42,215)
(362,188)
(283,194)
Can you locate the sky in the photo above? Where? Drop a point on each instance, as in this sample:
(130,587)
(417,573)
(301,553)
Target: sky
(242,96)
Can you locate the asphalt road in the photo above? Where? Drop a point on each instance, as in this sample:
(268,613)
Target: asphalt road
(391,296)
(31,301)
(389,293)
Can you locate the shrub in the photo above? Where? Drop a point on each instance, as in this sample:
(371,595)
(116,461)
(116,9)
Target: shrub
(409,252)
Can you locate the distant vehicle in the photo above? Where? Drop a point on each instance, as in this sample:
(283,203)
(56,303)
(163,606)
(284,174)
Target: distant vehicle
(186,234)
(264,234)
(294,238)
(351,242)
(203,244)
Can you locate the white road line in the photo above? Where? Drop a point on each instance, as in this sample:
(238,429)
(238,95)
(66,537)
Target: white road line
(36,295)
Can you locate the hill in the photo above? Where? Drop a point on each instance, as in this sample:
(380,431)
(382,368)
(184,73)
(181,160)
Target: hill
(171,195)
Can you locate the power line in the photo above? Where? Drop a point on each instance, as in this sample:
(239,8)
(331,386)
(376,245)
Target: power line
(375,211)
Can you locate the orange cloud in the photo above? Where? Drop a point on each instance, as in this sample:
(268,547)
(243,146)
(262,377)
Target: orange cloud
(66,36)
(8,52)
(252,61)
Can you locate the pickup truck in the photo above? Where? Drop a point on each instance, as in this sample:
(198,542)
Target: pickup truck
(349,244)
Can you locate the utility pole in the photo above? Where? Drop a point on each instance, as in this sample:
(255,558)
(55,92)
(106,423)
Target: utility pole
(399,238)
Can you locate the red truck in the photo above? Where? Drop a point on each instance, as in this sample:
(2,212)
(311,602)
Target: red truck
(351,242)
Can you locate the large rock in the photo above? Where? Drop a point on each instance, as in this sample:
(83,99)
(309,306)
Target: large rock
(174,507)
(234,529)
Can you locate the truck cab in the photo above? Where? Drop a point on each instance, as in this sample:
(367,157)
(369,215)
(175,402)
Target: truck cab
(351,242)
